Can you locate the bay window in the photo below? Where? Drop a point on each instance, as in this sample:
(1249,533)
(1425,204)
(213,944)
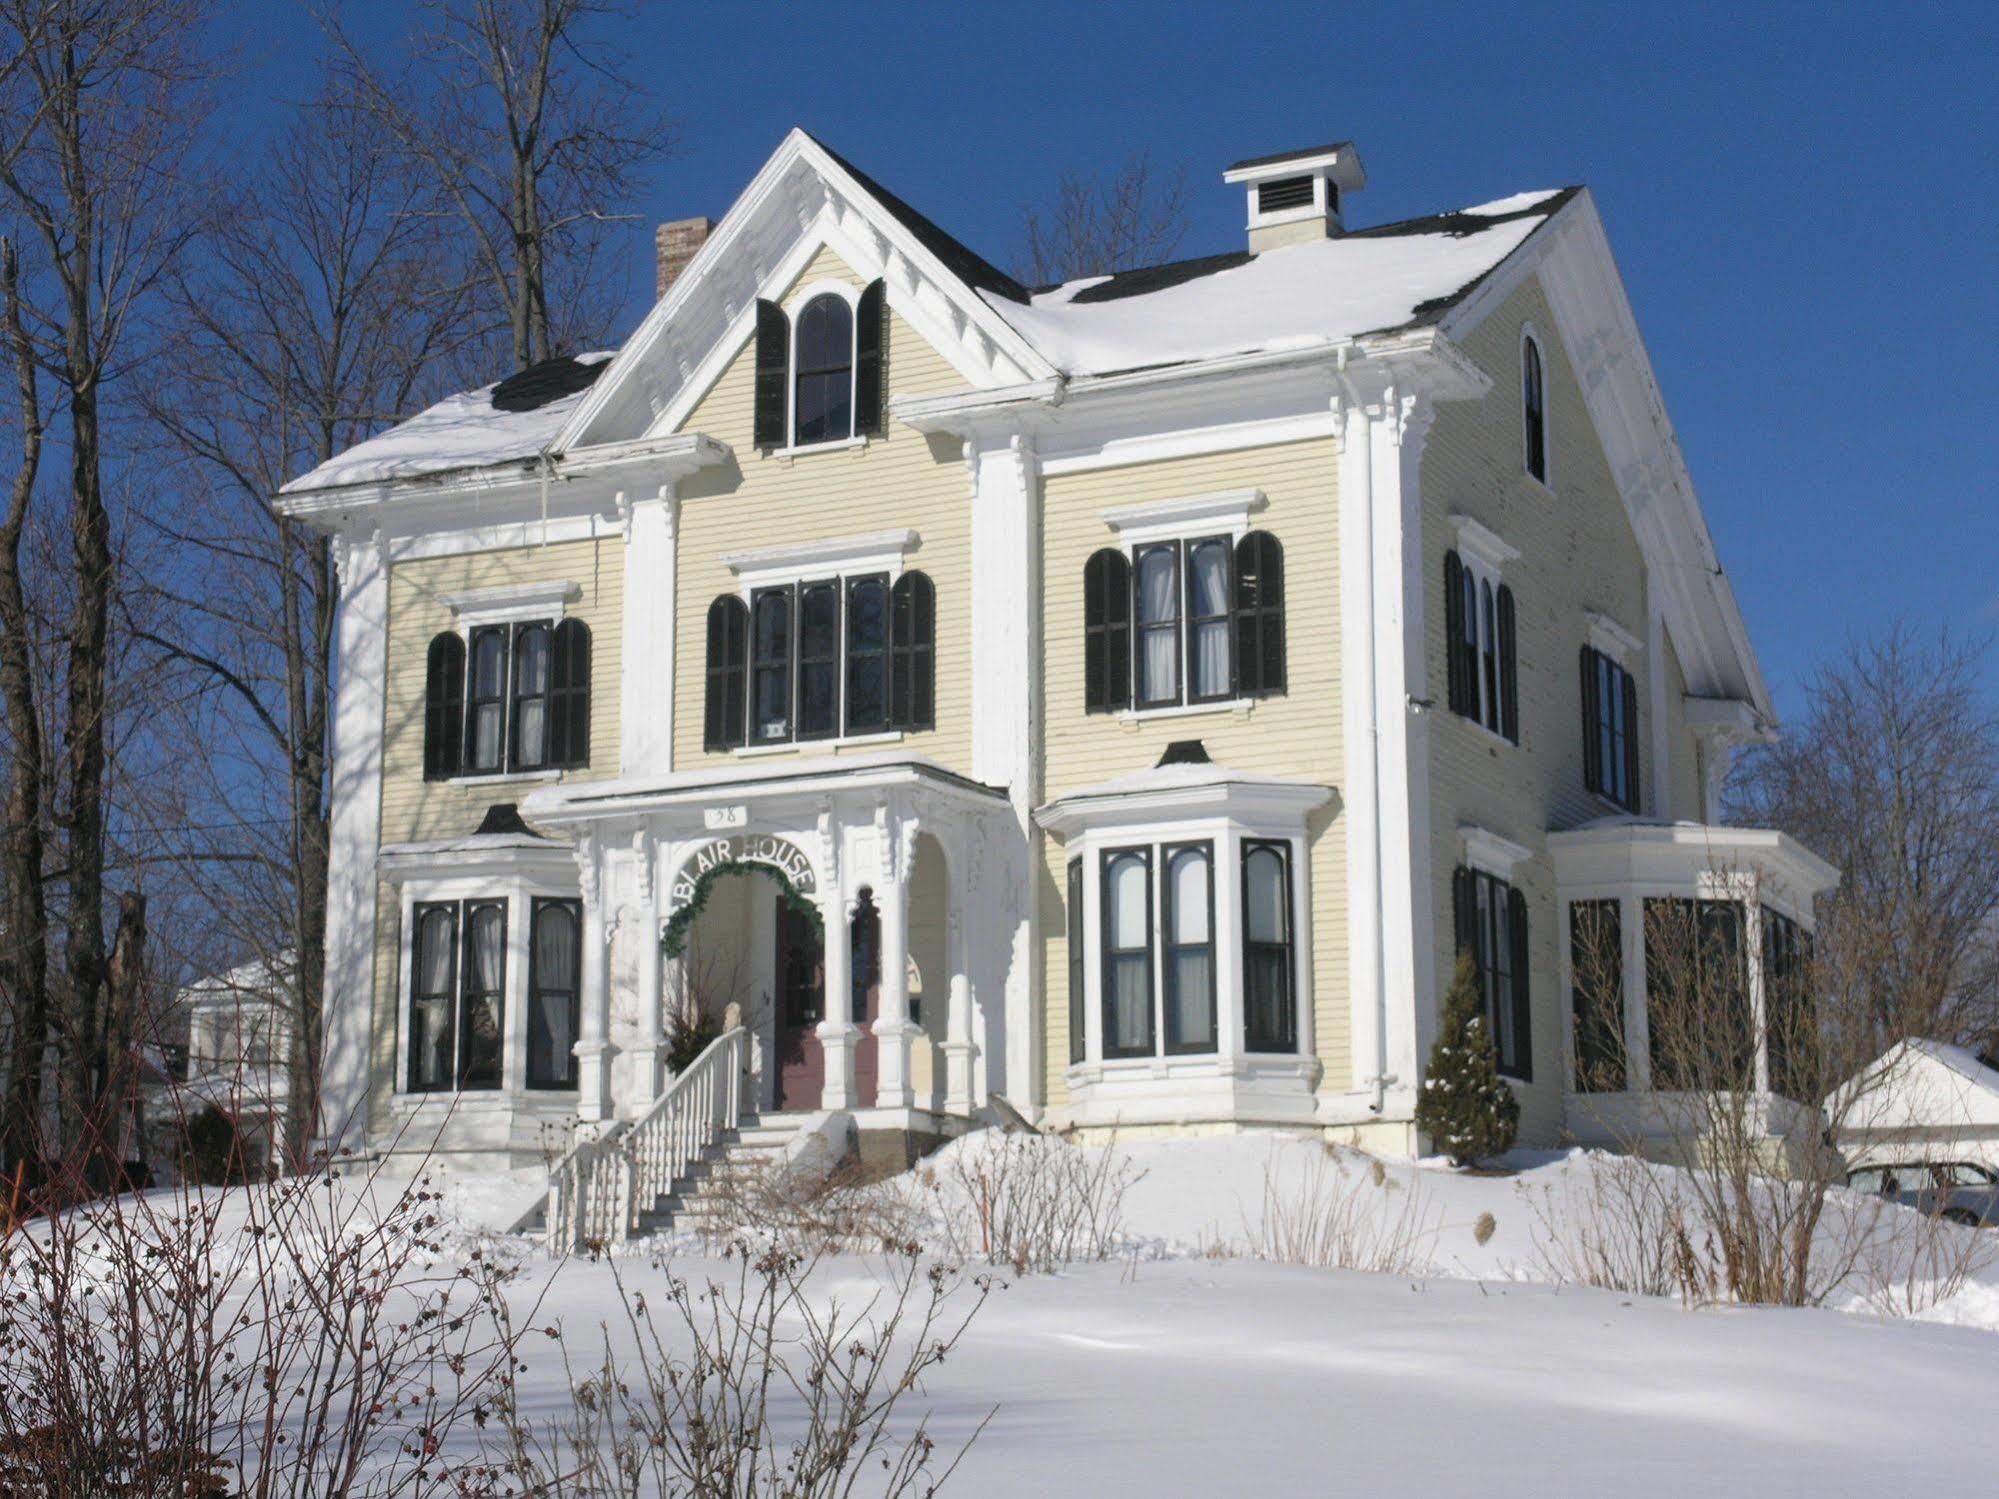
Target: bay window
(554,953)
(457,995)
(1270,1015)
(1127,949)
(1187,934)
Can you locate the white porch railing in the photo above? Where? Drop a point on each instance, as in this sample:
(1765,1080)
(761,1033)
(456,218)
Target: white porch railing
(599,1191)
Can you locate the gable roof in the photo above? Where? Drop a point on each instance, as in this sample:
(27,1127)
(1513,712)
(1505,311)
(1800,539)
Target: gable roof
(1920,1083)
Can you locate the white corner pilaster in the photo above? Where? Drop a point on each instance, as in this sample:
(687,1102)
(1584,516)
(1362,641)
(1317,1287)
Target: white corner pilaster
(645,723)
(1391,968)
(1006,606)
(355,829)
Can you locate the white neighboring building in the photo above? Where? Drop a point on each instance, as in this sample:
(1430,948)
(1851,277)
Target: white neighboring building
(239,1040)
(1923,1100)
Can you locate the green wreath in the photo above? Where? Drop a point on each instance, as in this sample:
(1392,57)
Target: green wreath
(673,937)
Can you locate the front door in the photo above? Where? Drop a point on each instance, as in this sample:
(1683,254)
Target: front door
(801,983)
(801,1005)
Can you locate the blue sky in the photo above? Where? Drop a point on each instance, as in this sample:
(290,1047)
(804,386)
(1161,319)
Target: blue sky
(1803,199)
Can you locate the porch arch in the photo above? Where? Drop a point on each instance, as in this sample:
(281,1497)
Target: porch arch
(788,865)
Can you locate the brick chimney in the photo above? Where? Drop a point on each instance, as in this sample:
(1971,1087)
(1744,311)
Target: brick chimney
(676,243)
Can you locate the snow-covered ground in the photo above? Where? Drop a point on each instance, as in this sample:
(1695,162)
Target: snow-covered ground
(1184,1364)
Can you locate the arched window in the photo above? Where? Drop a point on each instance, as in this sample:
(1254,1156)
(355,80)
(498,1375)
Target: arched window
(1270,1018)
(482,1002)
(819,660)
(867,655)
(1107,632)
(552,993)
(443,706)
(532,646)
(913,667)
(728,673)
(1188,930)
(1127,946)
(569,696)
(1157,596)
(1259,615)
(1534,407)
(433,996)
(486,701)
(823,381)
(1210,676)
(770,664)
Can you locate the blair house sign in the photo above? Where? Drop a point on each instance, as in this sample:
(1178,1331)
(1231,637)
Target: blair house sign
(759,848)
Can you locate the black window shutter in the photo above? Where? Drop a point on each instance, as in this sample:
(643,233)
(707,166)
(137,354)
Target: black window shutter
(443,706)
(1631,740)
(1464,911)
(1521,1064)
(1509,676)
(1454,630)
(1592,758)
(773,368)
(569,695)
(913,653)
(1259,615)
(1106,632)
(870,360)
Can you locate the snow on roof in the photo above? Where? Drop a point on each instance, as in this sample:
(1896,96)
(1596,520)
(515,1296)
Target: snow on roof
(469,430)
(1965,1064)
(1321,291)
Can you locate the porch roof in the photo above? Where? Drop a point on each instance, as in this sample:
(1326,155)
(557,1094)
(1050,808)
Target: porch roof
(752,781)
(1652,851)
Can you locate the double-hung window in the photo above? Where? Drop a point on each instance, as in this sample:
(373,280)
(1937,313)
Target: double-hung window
(1480,632)
(1491,921)
(458,969)
(1183,622)
(823,659)
(554,951)
(1610,729)
(1127,949)
(1270,1014)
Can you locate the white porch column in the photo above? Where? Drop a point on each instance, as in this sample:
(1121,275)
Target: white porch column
(645,722)
(651,1051)
(355,828)
(958,1045)
(593,1048)
(893,1030)
(837,1032)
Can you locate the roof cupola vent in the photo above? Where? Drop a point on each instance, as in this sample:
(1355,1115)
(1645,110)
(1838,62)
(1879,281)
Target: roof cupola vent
(1295,196)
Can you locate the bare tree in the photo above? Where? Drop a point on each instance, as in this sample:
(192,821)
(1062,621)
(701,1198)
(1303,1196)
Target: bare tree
(95,116)
(325,301)
(1894,776)
(532,138)
(1099,224)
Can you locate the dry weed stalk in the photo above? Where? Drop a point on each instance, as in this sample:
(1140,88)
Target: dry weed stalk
(1331,1219)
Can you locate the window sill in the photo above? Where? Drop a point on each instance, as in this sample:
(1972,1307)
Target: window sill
(794,746)
(1186,710)
(502,777)
(1543,485)
(801,450)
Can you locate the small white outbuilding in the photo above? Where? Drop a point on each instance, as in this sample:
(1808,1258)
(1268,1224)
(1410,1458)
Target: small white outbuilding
(1921,1100)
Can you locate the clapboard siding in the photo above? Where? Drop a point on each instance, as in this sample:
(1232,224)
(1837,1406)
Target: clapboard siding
(899,479)
(1298,735)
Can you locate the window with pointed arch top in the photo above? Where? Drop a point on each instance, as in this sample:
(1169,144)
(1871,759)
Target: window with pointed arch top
(823,386)
(1534,407)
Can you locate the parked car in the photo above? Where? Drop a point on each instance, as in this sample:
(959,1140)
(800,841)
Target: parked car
(1962,1191)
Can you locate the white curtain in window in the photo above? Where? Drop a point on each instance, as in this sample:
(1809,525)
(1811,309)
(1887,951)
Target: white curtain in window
(555,984)
(488,683)
(1131,1000)
(531,683)
(1158,602)
(1263,873)
(1208,669)
(433,1007)
(1193,958)
(487,960)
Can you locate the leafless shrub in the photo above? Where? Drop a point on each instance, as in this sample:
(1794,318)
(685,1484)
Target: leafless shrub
(1906,1261)
(154,1345)
(800,1211)
(1032,1201)
(724,1400)
(1346,1213)
(1616,1224)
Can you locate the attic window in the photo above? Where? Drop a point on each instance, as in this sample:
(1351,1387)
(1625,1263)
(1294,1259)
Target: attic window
(1282,193)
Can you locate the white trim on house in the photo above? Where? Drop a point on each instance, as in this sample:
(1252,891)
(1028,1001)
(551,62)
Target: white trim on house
(1489,853)
(1180,519)
(1609,638)
(1479,543)
(511,603)
(871,552)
